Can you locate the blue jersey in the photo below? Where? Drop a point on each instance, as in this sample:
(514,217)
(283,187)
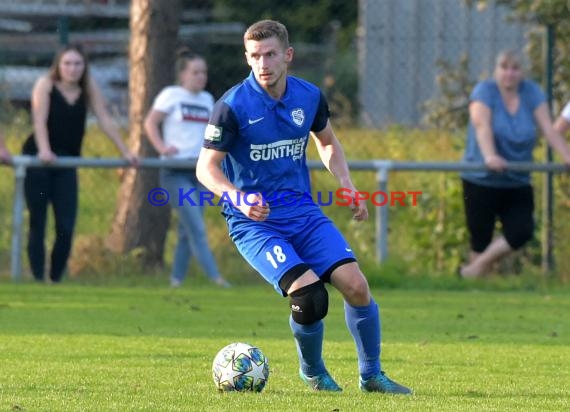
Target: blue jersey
(514,134)
(266,139)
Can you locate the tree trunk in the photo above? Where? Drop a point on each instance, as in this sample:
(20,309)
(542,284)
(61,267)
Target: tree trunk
(154,32)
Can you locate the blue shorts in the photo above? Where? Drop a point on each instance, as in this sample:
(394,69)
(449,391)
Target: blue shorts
(275,246)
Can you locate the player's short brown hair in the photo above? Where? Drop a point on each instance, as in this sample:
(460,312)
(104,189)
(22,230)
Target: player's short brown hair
(265,29)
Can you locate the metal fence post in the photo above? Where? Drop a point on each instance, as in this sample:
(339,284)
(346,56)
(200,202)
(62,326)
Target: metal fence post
(381,214)
(548,191)
(18,221)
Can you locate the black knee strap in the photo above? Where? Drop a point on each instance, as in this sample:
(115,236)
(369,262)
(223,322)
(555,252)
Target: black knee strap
(309,304)
(291,276)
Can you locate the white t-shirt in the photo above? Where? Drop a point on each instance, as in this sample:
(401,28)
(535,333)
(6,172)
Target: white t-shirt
(566,112)
(187,116)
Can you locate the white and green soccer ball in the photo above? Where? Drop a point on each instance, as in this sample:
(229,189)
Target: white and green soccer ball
(240,367)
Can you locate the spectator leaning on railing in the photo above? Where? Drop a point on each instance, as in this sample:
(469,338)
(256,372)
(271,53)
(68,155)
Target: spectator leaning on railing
(504,113)
(60,101)
(175,126)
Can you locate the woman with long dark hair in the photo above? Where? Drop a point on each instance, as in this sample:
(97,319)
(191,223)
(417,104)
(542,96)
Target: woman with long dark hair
(61,100)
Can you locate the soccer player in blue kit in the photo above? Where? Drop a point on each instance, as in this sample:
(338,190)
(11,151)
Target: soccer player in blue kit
(254,158)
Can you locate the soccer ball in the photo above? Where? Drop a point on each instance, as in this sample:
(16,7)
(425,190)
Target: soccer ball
(240,367)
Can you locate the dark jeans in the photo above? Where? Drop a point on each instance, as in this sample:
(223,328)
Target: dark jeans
(58,187)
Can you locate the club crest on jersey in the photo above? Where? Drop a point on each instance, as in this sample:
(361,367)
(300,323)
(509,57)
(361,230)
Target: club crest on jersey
(298,116)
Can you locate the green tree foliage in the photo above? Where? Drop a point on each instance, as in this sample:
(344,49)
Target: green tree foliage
(542,11)
(449,110)
(307,21)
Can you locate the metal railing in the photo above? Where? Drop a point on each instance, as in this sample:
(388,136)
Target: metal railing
(381,167)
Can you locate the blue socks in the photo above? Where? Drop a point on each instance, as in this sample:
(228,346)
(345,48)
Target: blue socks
(364,325)
(309,340)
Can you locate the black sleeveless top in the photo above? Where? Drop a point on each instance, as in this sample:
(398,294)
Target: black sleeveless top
(65,125)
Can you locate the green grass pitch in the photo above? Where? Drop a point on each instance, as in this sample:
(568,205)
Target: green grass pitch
(74,347)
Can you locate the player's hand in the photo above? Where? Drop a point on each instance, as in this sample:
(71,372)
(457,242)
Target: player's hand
(254,206)
(357,205)
(496,163)
(359,210)
(47,156)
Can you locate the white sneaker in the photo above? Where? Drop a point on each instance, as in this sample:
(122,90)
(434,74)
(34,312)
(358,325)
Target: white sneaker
(175,283)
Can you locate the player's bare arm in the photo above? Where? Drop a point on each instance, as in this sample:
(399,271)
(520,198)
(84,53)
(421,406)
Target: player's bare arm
(210,174)
(332,155)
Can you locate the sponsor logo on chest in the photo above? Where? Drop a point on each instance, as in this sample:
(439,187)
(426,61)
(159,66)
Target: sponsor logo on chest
(288,148)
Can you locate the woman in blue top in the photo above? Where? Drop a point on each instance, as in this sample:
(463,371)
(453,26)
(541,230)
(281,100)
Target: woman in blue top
(504,114)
